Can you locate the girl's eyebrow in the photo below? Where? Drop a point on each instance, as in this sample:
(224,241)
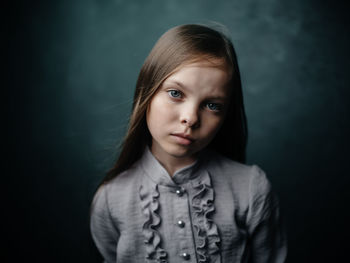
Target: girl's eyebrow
(178,83)
(184,87)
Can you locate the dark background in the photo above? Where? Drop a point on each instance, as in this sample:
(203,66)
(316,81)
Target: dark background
(70,75)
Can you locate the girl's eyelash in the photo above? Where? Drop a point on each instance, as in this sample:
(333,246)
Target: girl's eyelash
(212,106)
(217,107)
(175,93)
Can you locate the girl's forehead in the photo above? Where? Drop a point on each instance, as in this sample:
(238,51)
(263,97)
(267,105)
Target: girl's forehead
(212,63)
(207,62)
(202,78)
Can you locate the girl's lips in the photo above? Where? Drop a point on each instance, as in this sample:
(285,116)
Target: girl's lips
(183,139)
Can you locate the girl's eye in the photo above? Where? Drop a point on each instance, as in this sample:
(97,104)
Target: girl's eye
(214,106)
(174,93)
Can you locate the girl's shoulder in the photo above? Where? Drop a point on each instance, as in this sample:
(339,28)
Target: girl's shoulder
(121,186)
(240,177)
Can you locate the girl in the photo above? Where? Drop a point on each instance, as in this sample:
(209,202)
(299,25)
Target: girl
(180,191)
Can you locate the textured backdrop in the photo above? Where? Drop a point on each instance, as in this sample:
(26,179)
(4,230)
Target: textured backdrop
(72,68)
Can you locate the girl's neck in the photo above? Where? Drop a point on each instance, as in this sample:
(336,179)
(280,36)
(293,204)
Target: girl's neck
(171,163)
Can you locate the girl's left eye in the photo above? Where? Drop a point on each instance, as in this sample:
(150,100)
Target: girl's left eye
(174,93)
(214,106)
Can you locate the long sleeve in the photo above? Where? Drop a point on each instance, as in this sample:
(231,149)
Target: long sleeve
(103,230)
(266,230)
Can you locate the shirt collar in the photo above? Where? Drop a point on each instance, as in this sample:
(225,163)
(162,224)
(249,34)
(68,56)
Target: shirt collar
(154,169)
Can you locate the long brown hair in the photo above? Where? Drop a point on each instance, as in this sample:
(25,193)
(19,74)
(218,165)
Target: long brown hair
(179,46)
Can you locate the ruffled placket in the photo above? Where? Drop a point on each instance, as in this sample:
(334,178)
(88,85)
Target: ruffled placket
(150,204)
(202,202)
(208,244)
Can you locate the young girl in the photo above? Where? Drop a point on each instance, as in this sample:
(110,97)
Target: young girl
(179,191)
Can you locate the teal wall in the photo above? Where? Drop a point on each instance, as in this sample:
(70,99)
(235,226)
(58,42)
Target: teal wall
(72,68)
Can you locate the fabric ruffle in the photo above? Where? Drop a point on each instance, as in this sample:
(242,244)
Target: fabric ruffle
(206,230)
(150,205)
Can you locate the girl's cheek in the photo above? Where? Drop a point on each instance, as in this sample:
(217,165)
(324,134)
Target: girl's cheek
(163,106)
(164,100)
(214,123)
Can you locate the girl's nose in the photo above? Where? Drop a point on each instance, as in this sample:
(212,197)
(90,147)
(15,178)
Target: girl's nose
(190,118)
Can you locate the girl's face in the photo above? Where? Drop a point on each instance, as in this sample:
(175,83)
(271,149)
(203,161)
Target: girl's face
(187,110)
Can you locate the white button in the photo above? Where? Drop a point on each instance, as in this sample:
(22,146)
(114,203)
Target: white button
(181,223)
(185,256)
(180,191)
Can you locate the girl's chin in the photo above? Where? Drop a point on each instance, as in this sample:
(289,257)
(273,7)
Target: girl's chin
(182,152)
(175,150)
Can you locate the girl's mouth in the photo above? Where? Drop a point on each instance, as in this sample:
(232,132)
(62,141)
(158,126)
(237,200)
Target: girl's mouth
(183,139)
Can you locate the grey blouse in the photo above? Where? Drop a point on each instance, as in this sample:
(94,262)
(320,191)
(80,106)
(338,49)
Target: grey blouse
(215,210)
